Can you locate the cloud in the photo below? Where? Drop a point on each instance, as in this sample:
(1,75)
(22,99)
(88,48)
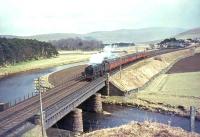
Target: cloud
(27,17)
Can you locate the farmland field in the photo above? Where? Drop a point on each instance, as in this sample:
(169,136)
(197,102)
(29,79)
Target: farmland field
(179,87)
(174,89)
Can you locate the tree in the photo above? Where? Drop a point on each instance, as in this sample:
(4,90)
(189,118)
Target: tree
(77,43)
(17,50)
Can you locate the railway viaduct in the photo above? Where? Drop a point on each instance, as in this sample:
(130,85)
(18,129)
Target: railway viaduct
(63,104)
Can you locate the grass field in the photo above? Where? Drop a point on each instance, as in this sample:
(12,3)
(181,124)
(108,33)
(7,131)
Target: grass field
(169,93)
(179,84)
(61,59)
(179,89)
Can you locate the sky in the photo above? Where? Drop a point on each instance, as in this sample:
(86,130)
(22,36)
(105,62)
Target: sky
(31,17)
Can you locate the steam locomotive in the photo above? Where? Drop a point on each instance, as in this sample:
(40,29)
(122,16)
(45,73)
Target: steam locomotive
(94,71)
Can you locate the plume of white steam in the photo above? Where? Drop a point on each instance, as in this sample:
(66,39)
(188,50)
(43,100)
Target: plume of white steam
(99,57)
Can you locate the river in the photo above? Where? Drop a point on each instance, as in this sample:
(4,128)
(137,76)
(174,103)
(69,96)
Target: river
(16,86)
(122,115)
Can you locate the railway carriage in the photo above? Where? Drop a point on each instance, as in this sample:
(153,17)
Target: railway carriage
(96,70)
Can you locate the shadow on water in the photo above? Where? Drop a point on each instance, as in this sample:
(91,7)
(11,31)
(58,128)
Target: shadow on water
(20,85)
(122,115)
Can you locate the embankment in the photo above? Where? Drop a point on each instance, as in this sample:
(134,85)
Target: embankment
(139,74)
(163,93)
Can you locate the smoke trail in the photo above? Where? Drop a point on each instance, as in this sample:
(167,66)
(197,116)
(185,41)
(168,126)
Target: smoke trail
(106,54)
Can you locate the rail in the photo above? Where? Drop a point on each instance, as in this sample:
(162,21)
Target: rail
(67,104)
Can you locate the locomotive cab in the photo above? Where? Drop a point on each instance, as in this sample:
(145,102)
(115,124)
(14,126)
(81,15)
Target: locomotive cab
(94,71)
(89,72)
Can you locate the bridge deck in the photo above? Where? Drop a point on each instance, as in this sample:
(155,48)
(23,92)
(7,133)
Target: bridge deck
(26,109)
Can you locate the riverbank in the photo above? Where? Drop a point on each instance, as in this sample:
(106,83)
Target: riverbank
(145,129)
(61,59)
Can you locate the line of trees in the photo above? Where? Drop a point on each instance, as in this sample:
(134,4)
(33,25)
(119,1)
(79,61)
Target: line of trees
(123,44)
(77,44)
(173,43)
(168,40)
(16,50)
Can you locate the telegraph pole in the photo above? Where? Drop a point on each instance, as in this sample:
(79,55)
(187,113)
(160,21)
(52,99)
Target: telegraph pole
(108,86)
(40,89)
(120,69)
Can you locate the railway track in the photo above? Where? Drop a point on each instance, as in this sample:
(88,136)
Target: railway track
(68,98)
(30,101)
(33,107)
(153,53)
(71,101)
(11,117)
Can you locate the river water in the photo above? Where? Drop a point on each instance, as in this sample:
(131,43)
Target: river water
(16,86)
(20,85)
(122,115)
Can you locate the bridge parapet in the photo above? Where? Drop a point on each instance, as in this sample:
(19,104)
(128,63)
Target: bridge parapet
(57,111)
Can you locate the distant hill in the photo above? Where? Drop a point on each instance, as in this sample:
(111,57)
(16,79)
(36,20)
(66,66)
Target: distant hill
(123,35)
(135,35)
(45,37)
(9,36)
(193,33)
(53,36)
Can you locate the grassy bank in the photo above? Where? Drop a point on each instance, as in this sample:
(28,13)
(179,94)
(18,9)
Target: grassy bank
(169,93)
(138,74)
(61,59)
(35,132)
(145,129)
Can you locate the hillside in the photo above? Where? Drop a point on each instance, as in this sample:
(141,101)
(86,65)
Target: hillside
(136,35)
(9,36)
(193,33)
(123,35)
(53,36)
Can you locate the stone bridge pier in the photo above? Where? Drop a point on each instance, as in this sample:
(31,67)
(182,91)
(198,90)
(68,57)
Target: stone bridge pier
(74,120)
(3,106)
(93,104)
